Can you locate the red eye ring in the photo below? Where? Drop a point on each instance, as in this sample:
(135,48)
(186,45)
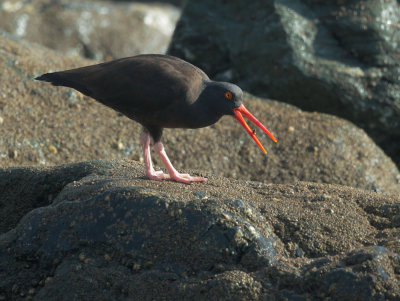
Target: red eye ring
(228,95)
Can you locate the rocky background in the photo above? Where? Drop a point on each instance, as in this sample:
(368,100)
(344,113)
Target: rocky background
(337,57)
(317,218)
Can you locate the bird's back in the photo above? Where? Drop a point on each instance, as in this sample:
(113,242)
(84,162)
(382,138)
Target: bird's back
(136,86)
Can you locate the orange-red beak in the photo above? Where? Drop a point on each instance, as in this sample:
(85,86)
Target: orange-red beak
(238,115)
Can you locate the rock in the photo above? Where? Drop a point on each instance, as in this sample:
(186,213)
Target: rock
(177,3)
(311,146)
(339,57)
(94,29)
(48,183)
(106,226)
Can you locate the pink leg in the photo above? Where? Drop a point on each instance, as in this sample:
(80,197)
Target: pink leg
(150,172)
(173,173)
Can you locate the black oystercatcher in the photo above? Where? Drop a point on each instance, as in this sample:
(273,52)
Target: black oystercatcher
(159,91)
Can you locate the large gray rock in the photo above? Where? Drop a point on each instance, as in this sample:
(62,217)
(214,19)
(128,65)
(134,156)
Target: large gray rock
(99,231)
(93,29)
(177,3)
(337,57)
(46,125)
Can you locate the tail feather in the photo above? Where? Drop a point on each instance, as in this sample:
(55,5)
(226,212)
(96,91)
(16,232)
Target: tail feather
(60,79)
(53,78)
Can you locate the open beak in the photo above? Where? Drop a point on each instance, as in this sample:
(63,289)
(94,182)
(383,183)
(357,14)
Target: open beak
(238,115)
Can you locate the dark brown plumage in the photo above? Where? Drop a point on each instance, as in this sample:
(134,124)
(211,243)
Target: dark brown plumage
(158,91)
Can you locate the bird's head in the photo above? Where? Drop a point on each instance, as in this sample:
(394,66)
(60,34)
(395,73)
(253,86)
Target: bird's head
(227,99)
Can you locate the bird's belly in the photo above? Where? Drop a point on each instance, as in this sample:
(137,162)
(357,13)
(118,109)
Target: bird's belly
(183,116)
(190,121)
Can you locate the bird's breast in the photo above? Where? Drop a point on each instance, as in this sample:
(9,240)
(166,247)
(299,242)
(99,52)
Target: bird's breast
(180,116)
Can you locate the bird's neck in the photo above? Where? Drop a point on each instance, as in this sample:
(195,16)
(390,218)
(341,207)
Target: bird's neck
(202,115)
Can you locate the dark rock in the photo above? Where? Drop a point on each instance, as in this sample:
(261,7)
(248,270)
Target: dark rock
(21,198)
(335,57)
(110,234)
(299,252)
(94,29)
(38,118)
(177,3)
(364,279)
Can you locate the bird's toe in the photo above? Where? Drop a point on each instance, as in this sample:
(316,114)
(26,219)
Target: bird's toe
(161,174)
(198,179)
(158,175)
(187,179)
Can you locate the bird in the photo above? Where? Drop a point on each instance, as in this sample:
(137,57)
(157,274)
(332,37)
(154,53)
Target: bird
(159,91)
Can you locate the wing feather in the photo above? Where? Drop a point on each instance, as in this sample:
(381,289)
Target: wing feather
(136,86)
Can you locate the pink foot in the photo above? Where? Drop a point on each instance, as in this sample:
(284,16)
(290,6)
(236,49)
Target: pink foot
(181,178)
(159,175)
(186,178)
(173,173)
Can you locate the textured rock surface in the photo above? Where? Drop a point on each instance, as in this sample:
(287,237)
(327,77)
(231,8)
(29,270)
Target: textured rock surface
(94,29)
(103,232)
(338,57)
(45,125)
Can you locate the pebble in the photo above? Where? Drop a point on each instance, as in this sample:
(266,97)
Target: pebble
(199,195)
(119,145)
(219,268)
(313,149)
(82,257)
(1,120)
(291,129)
(239,203)
(12,153)
(136,267)
(226,216)
(15,289)
(52,149)
(299,252)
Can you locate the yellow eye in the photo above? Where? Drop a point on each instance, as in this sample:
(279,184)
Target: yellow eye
(228,95)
